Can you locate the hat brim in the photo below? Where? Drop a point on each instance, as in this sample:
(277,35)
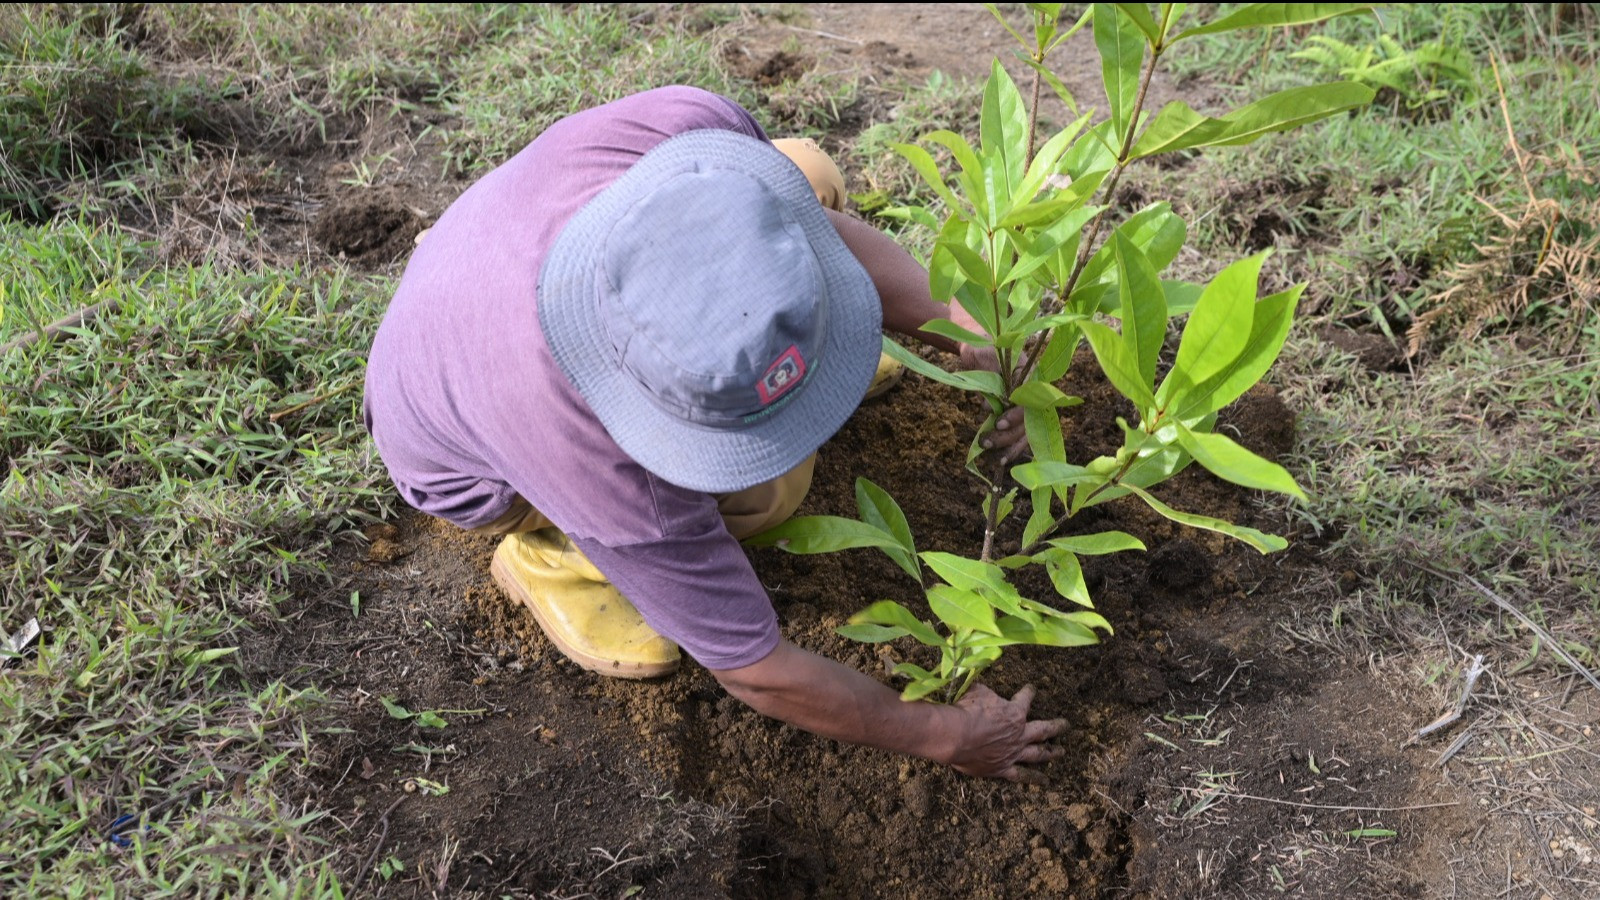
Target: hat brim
(702,457)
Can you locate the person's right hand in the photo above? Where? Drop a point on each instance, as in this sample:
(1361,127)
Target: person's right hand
(998,741)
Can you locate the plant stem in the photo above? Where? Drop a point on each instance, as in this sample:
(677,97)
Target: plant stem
(1033,110)
(1062,519)
(1107,192)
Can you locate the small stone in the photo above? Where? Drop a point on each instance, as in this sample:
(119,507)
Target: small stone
(955,820)
(410,787)
(1555,845)
(1558,853)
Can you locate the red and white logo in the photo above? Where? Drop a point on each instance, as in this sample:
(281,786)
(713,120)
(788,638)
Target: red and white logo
(782,375)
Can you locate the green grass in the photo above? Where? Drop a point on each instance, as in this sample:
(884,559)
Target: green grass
(152,510)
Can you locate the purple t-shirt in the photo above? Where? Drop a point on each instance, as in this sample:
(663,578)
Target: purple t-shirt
(468,408)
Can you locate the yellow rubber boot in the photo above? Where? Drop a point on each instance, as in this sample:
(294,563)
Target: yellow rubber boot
(888,375)
(582,614)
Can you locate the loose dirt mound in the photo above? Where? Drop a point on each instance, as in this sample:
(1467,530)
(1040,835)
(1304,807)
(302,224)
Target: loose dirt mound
(568,781)
(372,226)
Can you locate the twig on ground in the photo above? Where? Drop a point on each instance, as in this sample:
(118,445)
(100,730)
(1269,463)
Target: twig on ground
(1473,673)
(312,402)
(1545,636)
(825,34)
(55,329)
(383,835)
(1336,808)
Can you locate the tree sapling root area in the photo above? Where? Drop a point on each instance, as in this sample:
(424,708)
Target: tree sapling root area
(1207,753)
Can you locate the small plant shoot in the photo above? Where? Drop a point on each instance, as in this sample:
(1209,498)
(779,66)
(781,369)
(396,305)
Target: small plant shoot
(1034,263)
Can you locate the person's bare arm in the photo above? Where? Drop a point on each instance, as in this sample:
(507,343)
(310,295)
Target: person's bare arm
(981,735)
(902,285)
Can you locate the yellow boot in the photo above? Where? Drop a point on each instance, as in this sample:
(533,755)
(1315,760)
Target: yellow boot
(582,614)
(887,376)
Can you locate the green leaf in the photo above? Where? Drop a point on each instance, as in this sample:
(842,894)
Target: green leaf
(957,608)
(1050,78)
(888,612)
(1265,543)
(949,329)
(1057,355)
(1066,574)
(923,162)
(879,510)
(202,657)
(1045,159)
(1182,296)
(1098,544)
(1118,364)
(1041,518)
(1144,307)
(1036,475)
(1178,127)
(1273,15)
(870,634)
(1003,126)
(924,685)
(1051,631)
(823,534)
(1140,14)
(1159,234)
(971,177)
(430,719)
(1035,394)
(396,711)
(1220,325)
(987,383)
(1268,330)
(1226,459)
(1121,47)
(973,266)
(974,575)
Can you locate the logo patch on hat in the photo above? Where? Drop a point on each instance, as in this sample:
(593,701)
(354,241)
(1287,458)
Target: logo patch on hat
(788,371)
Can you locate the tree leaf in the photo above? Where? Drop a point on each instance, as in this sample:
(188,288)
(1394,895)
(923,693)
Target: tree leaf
(974,575)
(823,534)
(395,710)
(923,162)
(1035,394)
(1036,475)
(957,608)
(1220,325)
(1140,14)
(1045,159)
(879,510)
(1057,355)
(1121,47)
(870,634)
(949,329)
(888,612)
(1178,127)
(1041,518)
(1003,126)
(1273,15)
(1268,330)
(1050,78)
(1098,544)
(922,686)
(1144,307)
(1265,543)
(971,178)
(987,383)
(1117,363)
(1226,459)
(1066,574)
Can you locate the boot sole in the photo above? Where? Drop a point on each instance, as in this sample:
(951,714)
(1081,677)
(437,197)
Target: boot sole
(611,667)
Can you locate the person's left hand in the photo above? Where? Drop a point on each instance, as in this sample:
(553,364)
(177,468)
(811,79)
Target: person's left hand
(1008,437)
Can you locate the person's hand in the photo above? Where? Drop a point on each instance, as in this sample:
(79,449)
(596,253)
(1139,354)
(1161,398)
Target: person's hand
(1008,436)
(998,741)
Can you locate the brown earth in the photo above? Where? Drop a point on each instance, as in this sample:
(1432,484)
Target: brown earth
(1197,716)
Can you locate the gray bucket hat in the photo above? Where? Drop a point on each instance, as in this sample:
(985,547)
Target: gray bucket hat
(709,313)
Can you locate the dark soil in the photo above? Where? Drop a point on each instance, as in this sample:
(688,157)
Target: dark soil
(566,781)
(374,226)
